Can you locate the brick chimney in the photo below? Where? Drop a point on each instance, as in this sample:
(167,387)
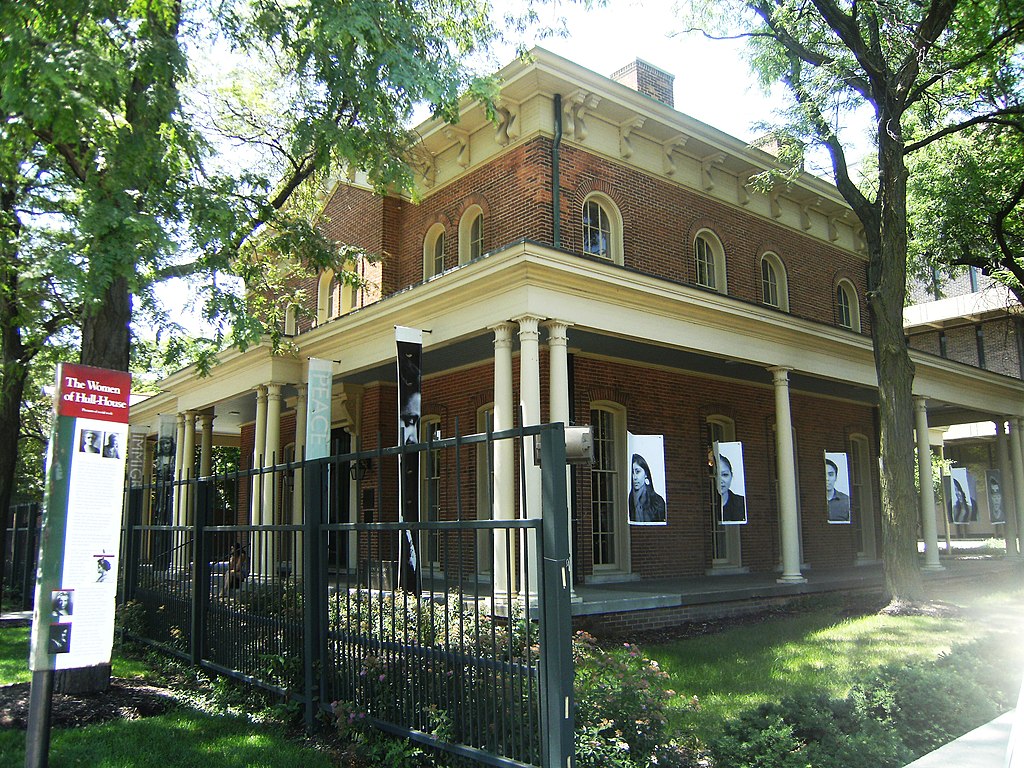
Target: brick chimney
(648,80)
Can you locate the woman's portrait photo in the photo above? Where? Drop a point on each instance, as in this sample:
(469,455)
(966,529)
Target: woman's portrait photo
(647,505)
(61,602)
(730,483)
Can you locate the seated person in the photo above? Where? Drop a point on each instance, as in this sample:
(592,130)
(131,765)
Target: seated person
(238,568)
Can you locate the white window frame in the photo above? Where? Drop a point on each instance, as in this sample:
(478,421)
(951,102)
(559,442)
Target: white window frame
(850,319)
(771,261)
(708,248)
(726,553)
(324,296)
(471,234)
(619,562)
(610,228)
(433,251)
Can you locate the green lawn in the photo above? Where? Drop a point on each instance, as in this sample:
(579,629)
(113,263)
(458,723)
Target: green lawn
(819,651)
(183,738)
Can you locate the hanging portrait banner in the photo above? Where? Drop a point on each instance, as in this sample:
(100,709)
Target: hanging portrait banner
(994,490)
(837,488)
(409,342)
(648,499)
(961,497)
(730,483)
(73,619)
(318,408)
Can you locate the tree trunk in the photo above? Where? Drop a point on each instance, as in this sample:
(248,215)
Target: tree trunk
(887,273)
(12,390)
(106,342)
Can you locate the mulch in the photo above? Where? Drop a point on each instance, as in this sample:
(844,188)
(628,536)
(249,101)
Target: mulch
(123,700)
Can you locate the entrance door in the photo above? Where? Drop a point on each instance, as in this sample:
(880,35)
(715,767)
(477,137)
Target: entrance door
(338,510)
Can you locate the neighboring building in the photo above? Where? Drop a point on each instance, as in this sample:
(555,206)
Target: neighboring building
(602,259)
(971,319)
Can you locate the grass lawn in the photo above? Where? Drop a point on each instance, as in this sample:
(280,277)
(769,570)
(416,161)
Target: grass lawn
(820,650)
(182,738)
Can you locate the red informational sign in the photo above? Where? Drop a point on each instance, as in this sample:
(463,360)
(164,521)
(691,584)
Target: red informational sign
(94,393)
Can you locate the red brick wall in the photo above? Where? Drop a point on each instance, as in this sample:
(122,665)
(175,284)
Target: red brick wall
(660,220)
(1000,339)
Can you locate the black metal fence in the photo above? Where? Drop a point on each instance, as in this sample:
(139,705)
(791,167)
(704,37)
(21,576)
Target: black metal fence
(21,553)
(474,659)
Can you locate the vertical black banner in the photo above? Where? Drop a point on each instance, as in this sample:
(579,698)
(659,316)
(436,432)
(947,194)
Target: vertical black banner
(410,355)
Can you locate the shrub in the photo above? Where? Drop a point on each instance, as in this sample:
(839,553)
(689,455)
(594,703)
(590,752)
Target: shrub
(621,709)
(928,705)
(810,729)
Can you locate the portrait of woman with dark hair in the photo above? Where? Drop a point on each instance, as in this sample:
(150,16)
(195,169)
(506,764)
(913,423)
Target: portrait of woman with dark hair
(961,506)
(645,505)
(734,506)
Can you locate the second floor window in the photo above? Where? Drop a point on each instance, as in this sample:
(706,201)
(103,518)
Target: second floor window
(704,261)
(597,230)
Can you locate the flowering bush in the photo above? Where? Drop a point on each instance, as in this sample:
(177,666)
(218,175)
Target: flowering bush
(621,709)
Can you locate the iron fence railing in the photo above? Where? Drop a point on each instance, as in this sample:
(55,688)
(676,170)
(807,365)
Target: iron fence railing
(474,658)
(20,555)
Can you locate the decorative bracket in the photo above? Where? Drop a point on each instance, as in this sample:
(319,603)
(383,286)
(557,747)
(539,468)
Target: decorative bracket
(461,139)
(667,148)
(625,129)
(705,169)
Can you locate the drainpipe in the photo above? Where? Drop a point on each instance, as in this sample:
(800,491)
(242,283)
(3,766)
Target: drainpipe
(556,196)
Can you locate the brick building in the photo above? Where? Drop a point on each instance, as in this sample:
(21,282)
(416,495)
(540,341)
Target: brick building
(972,320)
(599,258)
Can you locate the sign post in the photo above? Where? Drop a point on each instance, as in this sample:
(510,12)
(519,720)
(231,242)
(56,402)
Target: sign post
(76,585)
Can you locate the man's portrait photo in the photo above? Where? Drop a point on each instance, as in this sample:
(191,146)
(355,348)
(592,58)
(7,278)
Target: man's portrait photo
(837,488)
(646,503)
(90,441)
(730,483)
(994,486)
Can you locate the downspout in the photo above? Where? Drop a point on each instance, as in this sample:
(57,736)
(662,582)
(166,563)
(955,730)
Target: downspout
(556,195)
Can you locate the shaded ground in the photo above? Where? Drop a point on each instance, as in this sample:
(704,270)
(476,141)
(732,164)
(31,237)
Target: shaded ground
(124,700)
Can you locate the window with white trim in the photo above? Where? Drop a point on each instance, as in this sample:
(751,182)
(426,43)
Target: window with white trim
(433,252)
(774,285)
(602,228)
(847,306)
(471,234)
(607,493)
(709,261)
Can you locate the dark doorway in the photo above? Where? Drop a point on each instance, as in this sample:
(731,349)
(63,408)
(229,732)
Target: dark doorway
(338,500)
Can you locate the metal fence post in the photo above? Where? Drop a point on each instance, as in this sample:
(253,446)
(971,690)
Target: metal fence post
(130,558)
(556,672)
(204,494)
(314,477)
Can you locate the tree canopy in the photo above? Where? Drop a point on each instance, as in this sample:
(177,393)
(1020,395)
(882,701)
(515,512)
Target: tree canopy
(925,71)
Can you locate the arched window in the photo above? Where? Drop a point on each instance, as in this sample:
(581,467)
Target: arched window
(709,261)
(471,234)
(847,306)
(290,325)
(325,296)
(602,228)
(774,286)
(433,252)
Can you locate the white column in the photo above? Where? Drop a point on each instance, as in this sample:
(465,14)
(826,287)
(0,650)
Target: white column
(258,453)
(188,463)
(272,452)
(788,520)
(924,477)
(1017,459)
(1008,488)
(558,399)
(529,399)
(179,444)
(300,449)
(206,445)
(297,490)
(504,455)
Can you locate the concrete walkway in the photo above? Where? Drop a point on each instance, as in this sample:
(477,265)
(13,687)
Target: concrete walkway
(984,747)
